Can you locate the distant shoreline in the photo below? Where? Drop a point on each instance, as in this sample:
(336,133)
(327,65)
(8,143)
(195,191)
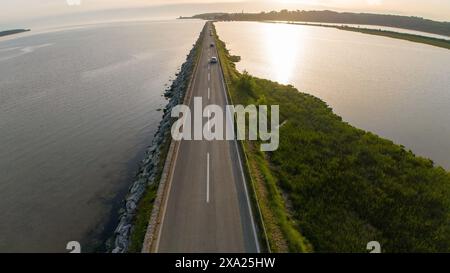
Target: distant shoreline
(12,32)
(332,17)
(386,33)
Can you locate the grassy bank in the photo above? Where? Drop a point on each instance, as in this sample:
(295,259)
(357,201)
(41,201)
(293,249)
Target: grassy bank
(391,34)
(331,187)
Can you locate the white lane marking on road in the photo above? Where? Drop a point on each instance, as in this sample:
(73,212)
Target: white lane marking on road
(207,177)
(209,92)
(207,160)
(209,76)
(208,122)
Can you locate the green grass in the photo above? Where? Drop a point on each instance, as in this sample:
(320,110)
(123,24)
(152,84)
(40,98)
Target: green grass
(141,221)
(331,187)
(296,241)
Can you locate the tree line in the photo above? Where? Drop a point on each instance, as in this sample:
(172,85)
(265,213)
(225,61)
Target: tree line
(327,16)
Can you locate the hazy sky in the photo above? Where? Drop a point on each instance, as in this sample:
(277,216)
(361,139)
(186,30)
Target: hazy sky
(23,10)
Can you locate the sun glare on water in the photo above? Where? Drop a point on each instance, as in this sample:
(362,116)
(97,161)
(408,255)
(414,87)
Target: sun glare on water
(282,49)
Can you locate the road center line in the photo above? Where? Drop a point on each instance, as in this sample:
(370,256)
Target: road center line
(207,177)
(209,92)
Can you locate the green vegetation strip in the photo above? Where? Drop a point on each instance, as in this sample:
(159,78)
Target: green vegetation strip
(145,205)
(338,186)
(403,36)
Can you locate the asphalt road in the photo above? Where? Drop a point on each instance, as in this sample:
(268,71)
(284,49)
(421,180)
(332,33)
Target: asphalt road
(207,207)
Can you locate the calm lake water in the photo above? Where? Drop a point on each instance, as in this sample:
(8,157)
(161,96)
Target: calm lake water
(77,109)
(397,89)
(394,29)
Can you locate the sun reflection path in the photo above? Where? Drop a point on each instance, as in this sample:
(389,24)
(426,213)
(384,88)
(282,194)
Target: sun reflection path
(283,46)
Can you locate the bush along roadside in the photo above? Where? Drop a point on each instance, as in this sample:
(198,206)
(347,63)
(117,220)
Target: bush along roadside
(331,187)
(138,204)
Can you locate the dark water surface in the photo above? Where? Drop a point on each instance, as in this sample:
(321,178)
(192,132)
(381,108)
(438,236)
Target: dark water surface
(77,109)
